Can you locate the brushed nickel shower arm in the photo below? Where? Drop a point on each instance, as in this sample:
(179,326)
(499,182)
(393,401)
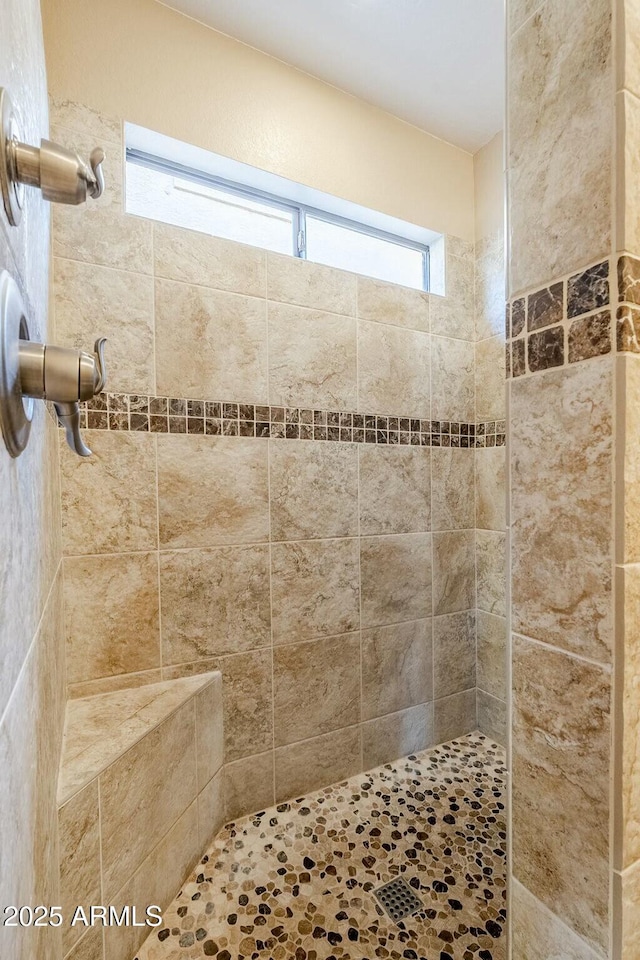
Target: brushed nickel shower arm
(61,175)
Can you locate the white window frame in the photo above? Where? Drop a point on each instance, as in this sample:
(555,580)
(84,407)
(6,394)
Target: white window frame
(290,196)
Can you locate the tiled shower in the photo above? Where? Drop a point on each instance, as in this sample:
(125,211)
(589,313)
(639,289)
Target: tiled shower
(339,544)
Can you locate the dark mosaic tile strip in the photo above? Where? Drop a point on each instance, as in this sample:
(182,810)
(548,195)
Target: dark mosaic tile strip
(628,280)
(545,349)
(518,316)
(628,330)
(134,412)
(545,307)
(588,290)
(537,323)
(590,337)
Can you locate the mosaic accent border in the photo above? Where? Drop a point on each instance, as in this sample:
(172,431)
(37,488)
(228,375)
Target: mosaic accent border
(568,321)
(150,414)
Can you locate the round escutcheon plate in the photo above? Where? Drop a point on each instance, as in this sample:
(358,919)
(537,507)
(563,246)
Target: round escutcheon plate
(16,411)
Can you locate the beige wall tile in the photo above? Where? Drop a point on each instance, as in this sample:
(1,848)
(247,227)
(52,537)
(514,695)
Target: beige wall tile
(102,235)
(143,794)
(395,489)
(390,303)
(214,602)
(490,290)
(628,167)
(311,764)
(393,370)
(452,488)
(315,589)
(490,379)
(397,668)
(454,716)
(312,358)
(84,120)
(157,881)
(628,533)
(311,285)
(492,717)
(79,833)
(194,257)
(111,615)
(628,885)
(559,83)
(209,732)
(491,572)
(316,687)
(210,343)
(452,380)
(561,532)
(628,588)
(30,743)
(453,571)
(492,654)
(538,934)
(313,490)
(109,500)
(90,947)
(122,681)
(490,464)
(211,810)
(92,302)
(453,315)
(396,578)
(454,653)
(561,747)
(212,491)
(247,692)
(397,735)
(248,785)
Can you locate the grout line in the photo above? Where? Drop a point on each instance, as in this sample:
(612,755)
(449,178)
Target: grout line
(606,667)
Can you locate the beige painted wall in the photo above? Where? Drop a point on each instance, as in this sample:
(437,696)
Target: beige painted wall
(179,77)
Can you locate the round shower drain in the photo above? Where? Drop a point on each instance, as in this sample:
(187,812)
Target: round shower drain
(398,899)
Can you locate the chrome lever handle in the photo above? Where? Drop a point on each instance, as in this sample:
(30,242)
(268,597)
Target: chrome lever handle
(100,366)
(96,186)
(69,417)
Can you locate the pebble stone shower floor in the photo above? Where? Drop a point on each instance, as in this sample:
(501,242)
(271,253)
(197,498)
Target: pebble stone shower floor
(296,882)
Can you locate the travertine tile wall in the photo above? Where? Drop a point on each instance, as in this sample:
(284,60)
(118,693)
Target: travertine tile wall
(134,824)
(31,622)
(571,359)
(490,491)
(333,584)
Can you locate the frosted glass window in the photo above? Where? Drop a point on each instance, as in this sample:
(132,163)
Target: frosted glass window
(186,197)
(340,246)
(184,203)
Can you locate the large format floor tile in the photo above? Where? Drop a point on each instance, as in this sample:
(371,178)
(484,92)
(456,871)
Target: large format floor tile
(297,880)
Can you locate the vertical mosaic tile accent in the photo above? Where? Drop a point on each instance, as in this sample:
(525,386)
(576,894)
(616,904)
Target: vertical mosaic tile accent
(518,316)
(629,280)
(546,349)
(298,880)
(588,290)
(545,307)
(567,321)
(518,362)
(590,337)
(628,330)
